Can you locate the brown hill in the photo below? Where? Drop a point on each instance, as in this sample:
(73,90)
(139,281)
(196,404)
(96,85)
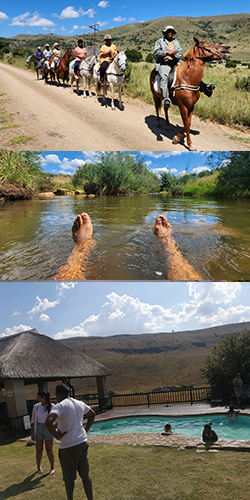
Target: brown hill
(231,29)
(140,363)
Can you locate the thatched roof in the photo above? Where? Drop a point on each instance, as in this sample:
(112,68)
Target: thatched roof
(32,356)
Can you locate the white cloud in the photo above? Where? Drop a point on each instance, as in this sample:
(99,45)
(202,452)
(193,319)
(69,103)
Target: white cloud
(103,4)
(51,159)
(28,19)
(3,16)
(42,305)
(206,303)
(44,317)
(103,23)
(89,12)
(75,27)
(119,19)
(69,13)
(16,313)
(161,154)
(197,170)
(15,329)
(64,286)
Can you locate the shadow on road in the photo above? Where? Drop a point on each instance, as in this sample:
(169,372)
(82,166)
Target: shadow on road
(162,131)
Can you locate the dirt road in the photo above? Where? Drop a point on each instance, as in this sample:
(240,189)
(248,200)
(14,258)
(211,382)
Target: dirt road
(51,118)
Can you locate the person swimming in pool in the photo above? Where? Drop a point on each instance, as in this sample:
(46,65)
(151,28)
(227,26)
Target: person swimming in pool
(75,268)
(167,430)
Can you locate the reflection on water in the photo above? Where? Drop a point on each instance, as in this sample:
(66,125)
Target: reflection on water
(213,235)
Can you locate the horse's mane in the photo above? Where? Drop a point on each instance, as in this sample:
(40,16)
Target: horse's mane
(182,68)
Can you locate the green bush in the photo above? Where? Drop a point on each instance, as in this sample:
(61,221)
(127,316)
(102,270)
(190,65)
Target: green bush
(133,55)
(150,58)
(243,83)
(231,64)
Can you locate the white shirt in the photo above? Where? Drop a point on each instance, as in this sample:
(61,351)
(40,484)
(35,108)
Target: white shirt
(39,413)
(70,418)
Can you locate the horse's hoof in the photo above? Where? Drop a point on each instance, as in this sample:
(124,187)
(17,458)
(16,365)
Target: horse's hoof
(191,148)
(84,97)
(175,140)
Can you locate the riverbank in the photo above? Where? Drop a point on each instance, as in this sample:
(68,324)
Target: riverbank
(10,192)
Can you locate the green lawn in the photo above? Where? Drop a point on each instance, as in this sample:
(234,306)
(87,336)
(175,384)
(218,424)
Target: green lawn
(131,473)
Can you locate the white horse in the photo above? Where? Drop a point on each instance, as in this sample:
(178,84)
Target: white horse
(86,71)
(114,77)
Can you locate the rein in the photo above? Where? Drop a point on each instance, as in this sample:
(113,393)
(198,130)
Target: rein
(211,52)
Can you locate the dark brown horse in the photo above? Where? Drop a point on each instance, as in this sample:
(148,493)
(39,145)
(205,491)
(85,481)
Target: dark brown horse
(62,66)
(185,89)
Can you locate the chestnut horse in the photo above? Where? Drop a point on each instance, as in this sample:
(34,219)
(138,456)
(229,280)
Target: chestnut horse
(184,91)
(62,66)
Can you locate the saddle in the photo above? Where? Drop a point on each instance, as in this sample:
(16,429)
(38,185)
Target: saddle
(203,87)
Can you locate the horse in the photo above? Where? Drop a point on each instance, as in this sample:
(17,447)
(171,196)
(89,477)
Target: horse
(86,71)
(114,76)
(62,65)
(37,63)
(184,91)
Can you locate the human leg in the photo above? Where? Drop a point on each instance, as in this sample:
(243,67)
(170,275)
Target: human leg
(69,487)
(75,267)
(50,454)
(87,484)
(39,454)
(164,71)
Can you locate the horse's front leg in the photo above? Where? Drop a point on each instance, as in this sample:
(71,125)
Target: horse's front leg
(120,97)
(104,93)
(186,118)
(89,80)
(84,87)
(111,85)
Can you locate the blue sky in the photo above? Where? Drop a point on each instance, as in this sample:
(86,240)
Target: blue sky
(66,162)
(66,309)
(64,18)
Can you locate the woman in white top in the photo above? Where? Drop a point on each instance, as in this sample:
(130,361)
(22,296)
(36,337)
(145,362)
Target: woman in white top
(39,433)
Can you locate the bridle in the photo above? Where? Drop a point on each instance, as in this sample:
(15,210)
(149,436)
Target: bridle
(210,52)
(118,65)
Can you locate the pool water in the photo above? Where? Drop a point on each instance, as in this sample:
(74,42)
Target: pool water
(226,428)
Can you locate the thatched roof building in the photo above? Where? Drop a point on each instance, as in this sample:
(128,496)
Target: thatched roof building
(32,356)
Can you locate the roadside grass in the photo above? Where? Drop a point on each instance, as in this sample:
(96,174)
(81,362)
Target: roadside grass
(20,139)
(227,106)
(130,473)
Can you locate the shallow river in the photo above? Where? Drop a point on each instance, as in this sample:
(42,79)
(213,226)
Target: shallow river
(213,235)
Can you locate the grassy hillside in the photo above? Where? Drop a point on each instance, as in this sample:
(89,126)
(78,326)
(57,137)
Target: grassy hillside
(140,363)
(232,30)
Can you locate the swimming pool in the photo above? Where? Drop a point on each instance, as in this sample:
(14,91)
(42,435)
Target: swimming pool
(226,428)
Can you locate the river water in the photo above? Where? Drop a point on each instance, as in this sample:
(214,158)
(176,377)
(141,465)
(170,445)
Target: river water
(213,236)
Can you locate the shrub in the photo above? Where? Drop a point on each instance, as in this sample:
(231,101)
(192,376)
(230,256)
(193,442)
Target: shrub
(150,58)
(243,83)
(133,55)
(231,64)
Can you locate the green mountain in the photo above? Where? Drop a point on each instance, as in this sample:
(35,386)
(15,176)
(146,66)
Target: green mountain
(140,363)
(231,30)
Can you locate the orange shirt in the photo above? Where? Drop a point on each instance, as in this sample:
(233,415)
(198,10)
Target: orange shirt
(107,51)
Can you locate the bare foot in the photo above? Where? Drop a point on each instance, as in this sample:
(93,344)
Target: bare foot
(162,226)
(82,227)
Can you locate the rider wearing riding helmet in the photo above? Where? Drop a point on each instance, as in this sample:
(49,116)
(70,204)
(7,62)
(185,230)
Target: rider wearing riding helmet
(57,54)
(168,52)
(47,53)
(80,53)
(107,54)
(39,53)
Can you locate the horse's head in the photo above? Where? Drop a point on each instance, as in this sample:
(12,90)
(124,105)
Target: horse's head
(120,60)
(29,59)
(70,52)
(208,51)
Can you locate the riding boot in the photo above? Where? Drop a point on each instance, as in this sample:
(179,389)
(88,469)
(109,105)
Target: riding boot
(207,89)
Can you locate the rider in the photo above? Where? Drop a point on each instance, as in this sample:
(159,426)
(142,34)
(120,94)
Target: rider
(107,54)
(80,53)
(39,53)
(47,53)
(57,54)
(168,52)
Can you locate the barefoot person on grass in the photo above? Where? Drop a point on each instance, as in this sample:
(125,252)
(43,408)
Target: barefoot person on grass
(39,433)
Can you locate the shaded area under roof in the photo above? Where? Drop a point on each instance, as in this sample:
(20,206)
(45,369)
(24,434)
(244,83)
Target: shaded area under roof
(32,356)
